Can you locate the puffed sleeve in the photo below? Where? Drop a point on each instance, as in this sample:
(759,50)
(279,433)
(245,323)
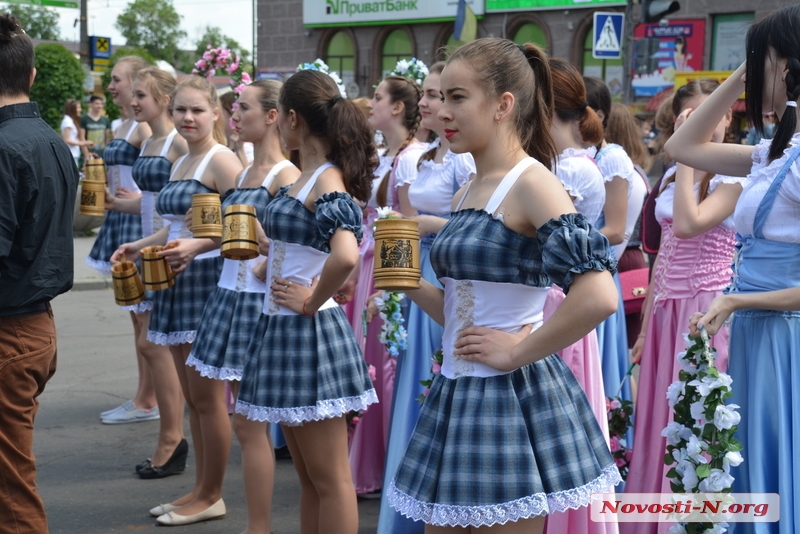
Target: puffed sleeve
(615,162)
(405,170)
(570,246)
(338,210)
(464,168)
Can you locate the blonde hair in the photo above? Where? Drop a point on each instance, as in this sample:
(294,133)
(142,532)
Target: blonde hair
(160,83)
(134,64)
(201,84)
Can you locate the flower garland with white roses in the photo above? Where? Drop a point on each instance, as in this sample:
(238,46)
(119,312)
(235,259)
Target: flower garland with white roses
(322,67)
(393,333)
(700,440)
(414,70)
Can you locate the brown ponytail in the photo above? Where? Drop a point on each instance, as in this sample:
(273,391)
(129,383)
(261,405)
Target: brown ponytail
(336,121)
(570,101)
(523,71)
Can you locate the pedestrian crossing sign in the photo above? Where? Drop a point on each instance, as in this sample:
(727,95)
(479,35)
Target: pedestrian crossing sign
(608,35)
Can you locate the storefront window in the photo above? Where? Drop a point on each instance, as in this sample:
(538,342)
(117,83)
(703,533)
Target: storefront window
(609,70)
(530,33)
(397,46)
(340,56)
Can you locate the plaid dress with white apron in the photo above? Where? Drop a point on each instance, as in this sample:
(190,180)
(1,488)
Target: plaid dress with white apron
(490,446)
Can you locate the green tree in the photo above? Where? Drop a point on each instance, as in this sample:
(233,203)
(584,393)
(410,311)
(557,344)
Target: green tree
(38,22)
(59,77)
(112,110)
(153,25)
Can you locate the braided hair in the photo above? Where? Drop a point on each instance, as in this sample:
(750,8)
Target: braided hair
(779,32)
(401,89)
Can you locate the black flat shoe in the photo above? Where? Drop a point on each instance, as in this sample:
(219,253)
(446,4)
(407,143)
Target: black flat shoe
(176,464)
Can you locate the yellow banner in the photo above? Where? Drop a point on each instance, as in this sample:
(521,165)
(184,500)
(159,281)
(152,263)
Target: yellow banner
(682,78)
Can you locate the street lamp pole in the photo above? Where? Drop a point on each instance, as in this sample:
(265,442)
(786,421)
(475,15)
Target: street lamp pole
(84,20)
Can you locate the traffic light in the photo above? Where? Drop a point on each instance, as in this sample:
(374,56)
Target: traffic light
(655,10)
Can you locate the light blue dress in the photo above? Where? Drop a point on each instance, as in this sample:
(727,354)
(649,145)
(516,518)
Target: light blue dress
(764,357)
(434,185)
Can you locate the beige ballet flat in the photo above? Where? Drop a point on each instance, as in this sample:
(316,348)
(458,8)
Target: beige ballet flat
(215,511)
(162,509)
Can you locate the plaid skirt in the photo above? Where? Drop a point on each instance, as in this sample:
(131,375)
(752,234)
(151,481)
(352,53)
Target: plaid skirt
(117,228)
(301,369)
(226,327)
(487,451)
(178,309)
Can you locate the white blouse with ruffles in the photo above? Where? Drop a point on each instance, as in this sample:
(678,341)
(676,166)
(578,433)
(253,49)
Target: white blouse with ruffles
(577,171)
(666,200)
(782,221)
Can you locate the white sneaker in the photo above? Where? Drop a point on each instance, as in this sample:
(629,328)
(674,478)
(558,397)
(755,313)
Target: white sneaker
(125,406)
(132,416)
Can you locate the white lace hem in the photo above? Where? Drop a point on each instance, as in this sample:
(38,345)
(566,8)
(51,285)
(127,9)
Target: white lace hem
(216,373)
(172,338)
(102,266)
(142,307)
(326,409)
(448,515)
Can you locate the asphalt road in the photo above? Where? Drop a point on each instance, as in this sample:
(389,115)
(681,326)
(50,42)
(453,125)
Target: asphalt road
(86,468)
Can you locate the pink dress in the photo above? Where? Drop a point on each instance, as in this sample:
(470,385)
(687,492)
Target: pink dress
(689,274)
(583,181)
(368,443)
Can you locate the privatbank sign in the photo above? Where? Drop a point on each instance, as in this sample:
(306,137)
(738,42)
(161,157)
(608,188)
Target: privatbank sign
(367,12)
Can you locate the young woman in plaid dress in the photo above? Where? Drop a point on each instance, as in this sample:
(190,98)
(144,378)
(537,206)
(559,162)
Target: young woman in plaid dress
(120,227)
(233,309)
(304,368)
(506,434)
(151,98)
(209,167)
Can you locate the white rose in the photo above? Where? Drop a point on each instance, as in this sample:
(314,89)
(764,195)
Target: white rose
(726,417)
(718,528)
(674,392)
(717,481)
(677,529)
(723,381)
(689,480)
(697,409)
(685,364)
(675,432)
(733,458)
(695,448)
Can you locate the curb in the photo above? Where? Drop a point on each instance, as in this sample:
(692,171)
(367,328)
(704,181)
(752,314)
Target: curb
(89,285)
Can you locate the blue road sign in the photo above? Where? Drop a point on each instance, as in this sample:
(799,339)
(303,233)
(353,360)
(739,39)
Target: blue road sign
(608,38)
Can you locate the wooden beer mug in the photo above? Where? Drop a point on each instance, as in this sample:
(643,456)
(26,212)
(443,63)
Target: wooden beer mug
(397,264)
(128,288)
(96,170)
(93,198)
(239,240)
(206,215)
(156,273)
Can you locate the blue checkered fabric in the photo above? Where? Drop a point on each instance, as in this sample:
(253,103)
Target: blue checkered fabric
(117,228)
(151,173)
(504,448)
(473,245)
(288,220)
(175,197)
(178,309)
(226,327)
(120,152)
(303,369)
(230,317)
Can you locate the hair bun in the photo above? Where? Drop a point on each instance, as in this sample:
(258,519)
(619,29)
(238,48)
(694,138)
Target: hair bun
(9,28)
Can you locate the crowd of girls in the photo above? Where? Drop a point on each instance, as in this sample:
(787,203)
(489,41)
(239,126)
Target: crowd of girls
(525,199)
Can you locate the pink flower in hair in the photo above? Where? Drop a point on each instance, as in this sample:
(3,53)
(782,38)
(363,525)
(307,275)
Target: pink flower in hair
(233,68)
(208,56)
(246,78)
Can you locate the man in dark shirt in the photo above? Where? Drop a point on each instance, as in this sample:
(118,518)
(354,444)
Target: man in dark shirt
(38,182)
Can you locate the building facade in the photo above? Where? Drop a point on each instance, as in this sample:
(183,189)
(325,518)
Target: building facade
(363,39)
